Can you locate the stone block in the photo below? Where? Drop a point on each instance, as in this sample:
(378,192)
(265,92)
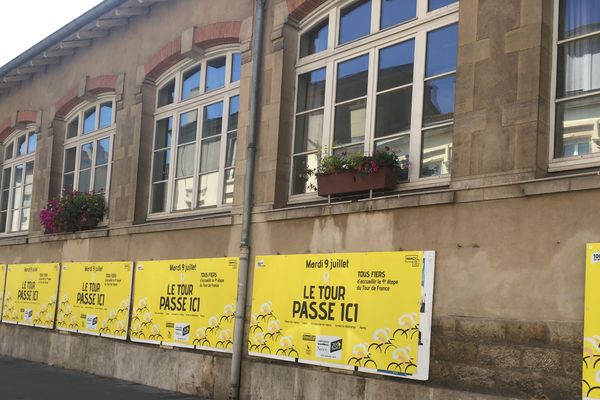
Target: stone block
(500,356)
(454,350)
(525,332)
(445,326)
(483,329)
(541,359)
(474,378)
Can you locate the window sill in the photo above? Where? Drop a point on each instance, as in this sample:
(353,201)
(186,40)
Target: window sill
(10,239)
(56,237)
(572,163)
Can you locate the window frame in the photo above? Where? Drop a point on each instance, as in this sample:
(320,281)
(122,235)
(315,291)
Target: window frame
(12,163)
(558,164)
(197,103)
(415,29)
(92,137)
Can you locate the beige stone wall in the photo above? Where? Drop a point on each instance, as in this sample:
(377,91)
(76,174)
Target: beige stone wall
(510,238)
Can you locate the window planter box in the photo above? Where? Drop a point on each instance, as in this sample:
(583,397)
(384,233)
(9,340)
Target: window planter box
(355,182)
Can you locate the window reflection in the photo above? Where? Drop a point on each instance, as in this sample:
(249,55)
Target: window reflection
(355,21)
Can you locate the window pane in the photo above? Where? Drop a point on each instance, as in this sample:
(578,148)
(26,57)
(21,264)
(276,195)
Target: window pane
(162,160)
(89,120)
(106,115)
(437,151)
(228,185)
(8,154)
(356,148)
(87,151)
(21,146)
(68,182)
(100,180)
(29,173)
(394,12)
(236,67)
(231,147)
(352,78)
(185,160)
(15,222)
(3,222)
(27,191)
(215,76)
(393,112)
(70,159)
(399,145)
(32,142)
(578,67)
(315,40)
(350,122)
(25,219)
(435,4)
(438,100)
(309,131)
(187,127)
(396,65)
(300,182)
(355,21)
(191,83)
(213,120)
(234,109)
(84,180)
(159,197)
(6,179)
(166,94)
(164,131)
(441,50)
(208,189)
(4,200)
(578,17)
(183,194)
(577,127)
(72,128)
(209,160)
(102,150)
(17,197)
(311,90)
(18,175)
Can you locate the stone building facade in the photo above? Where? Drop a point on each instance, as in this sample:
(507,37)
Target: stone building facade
(500,126)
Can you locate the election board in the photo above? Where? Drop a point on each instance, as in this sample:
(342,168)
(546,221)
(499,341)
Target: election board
(361,311)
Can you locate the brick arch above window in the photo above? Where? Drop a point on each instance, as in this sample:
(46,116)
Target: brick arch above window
(86,90)
(202,38)
(18,120)
(299,9)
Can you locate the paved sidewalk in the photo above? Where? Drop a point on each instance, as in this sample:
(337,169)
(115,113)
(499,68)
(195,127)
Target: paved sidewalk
(24,380)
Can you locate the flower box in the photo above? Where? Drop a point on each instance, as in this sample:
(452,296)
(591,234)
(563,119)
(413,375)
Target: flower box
(343,182)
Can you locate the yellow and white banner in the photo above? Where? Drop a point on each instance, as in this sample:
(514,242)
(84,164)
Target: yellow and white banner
(364,311)
(94,298)
(591,329)
(2,280)
(185,303)
(30,294)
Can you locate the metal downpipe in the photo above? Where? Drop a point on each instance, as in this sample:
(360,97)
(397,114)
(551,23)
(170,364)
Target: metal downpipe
(240,313)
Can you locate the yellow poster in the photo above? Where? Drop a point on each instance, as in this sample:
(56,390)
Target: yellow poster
(591,329)
(185,303)
(94,298)
(30,294)
(362,311)
(2,278)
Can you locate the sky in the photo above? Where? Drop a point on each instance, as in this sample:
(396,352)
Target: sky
(30,21)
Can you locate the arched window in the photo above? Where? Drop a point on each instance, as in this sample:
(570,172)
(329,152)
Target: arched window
(375,74)
(17,180)
(195,134)
(88,147)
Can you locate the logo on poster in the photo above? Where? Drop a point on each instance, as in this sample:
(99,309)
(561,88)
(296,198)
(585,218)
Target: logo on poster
(329,347)
(182,331)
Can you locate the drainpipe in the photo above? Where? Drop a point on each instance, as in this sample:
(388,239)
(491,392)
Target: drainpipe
(240,313)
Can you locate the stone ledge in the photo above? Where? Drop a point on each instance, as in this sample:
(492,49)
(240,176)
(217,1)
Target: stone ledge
(12,241)
(96,233)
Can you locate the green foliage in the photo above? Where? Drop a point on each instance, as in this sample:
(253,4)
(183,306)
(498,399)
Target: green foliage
(356,161)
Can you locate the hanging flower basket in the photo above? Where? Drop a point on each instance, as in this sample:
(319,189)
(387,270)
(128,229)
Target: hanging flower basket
(345,182)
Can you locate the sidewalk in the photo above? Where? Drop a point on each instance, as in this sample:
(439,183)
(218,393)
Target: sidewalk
(24,380)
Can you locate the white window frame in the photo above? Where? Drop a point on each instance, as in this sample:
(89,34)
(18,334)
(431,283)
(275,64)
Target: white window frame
(12,163)
(179,107)
(92,137)
(417,29)
(557,164)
